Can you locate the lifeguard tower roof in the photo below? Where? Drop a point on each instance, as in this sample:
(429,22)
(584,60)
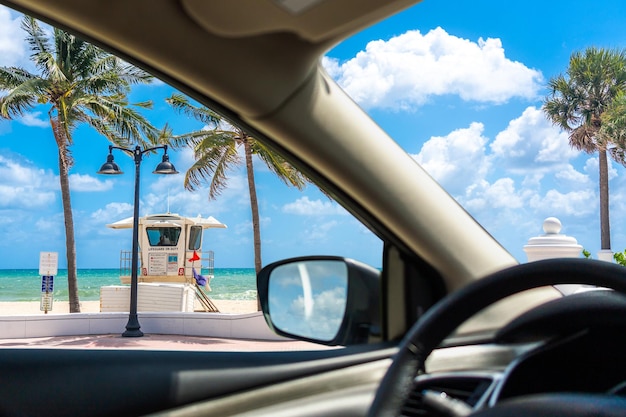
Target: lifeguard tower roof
(163,220)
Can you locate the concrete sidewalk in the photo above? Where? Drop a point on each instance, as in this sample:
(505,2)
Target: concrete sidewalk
(157,342)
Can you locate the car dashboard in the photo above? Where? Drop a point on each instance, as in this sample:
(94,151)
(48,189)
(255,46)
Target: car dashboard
(570,345)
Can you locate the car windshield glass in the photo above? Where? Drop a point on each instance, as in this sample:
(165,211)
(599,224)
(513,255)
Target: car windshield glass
(466,94)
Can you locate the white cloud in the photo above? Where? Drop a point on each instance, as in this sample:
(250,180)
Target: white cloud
(245,228)
(113,212)
(407,70)
(574,203)
(592,168)
(319,232)
(573,177)
(502,194)
(79,182)
(24,186)
(32,119)
(531,143)
(328,310)
(305,207)
(51,226)
(12,47)
(185,158)
(24,197)
(456,160)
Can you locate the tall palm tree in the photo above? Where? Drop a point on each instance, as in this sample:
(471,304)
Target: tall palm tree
(81,84)
(576,103)
(217,151)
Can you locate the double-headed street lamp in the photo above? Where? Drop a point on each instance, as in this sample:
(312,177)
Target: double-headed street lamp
(111,168)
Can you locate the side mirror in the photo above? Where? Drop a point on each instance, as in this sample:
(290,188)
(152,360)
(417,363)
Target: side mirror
(323,299)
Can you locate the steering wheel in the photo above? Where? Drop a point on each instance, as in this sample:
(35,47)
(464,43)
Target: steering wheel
(449,313)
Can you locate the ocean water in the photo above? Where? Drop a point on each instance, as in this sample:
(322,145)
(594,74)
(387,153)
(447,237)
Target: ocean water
(25,284)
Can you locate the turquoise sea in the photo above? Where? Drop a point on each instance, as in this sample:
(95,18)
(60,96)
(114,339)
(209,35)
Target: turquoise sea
(25,284)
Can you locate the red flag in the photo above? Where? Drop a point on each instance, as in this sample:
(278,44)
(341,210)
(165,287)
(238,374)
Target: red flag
(195,257)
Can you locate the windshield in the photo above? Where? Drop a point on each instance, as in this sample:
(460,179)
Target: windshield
(463,93)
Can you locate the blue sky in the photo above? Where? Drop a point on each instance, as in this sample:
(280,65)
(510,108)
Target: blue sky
(458,84)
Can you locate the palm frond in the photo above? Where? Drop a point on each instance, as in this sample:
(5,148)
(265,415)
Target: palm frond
(613,129)
(212,165)
(38,42)
(122,121)
(190,139)
(286,172)
(12,77)
(23,97)
(181,104)
(584,138)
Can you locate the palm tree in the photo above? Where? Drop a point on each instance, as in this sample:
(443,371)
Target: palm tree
(217,151)
(576,104)
(81,84)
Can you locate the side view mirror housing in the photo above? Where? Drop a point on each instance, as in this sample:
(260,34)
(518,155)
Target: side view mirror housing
(324,299)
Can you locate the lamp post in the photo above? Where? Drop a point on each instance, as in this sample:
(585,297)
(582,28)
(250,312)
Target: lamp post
(111,168)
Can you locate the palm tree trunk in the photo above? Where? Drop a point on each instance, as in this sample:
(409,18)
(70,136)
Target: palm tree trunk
(605,228)
(254,205)
(70,243)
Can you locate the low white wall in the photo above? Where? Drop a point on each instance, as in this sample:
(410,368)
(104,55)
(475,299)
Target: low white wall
(237,326)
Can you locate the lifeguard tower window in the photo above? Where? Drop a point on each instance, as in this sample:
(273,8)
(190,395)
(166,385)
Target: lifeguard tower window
(163,236)
(195,237)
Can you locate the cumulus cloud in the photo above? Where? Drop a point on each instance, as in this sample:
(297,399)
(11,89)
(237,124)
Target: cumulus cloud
(113,212)
(12,48)
(456,160)
(319,232)
(574,203)
(24,196)
(499,195)
(531,143)
(573,177)
(305,207)
(311,303)
(33,120)
(328,310)
(592,167)
(407,70)
(24,186)
(79,182)
(502,194)
(185,159)
(51,226)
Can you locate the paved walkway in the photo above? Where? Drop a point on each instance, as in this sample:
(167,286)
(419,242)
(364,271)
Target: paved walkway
(157,342)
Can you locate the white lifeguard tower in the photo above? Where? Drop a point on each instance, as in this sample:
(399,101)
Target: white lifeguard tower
(171,265)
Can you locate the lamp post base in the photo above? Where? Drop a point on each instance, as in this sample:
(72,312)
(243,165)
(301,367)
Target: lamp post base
(132,328)
(132,333)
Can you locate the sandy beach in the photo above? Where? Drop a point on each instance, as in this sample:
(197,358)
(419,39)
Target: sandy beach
(17,308)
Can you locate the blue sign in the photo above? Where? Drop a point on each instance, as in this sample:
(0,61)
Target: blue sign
(47,283)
